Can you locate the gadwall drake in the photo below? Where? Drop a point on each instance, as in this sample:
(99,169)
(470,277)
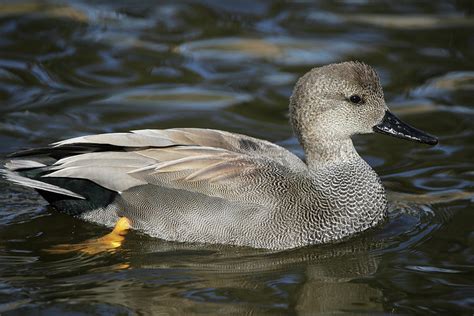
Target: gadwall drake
(211,186)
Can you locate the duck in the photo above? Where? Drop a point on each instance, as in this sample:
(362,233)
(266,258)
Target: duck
(209,186)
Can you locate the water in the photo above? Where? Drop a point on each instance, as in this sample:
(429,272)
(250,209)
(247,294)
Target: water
(74,68)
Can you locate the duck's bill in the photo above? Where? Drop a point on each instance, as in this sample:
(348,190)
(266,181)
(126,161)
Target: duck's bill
(392,125)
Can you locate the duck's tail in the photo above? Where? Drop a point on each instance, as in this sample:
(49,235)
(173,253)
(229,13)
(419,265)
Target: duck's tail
(12,168)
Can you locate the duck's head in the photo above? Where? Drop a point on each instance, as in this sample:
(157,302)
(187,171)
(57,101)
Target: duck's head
(336,101)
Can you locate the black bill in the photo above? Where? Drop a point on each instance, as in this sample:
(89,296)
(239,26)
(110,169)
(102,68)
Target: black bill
(392,125)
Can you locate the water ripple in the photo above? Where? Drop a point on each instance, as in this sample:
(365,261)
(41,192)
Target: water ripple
(281,50)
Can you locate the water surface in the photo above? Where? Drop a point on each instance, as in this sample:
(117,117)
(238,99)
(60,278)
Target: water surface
(80,67)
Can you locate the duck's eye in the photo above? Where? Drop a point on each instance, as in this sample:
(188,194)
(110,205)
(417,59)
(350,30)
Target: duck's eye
(355,99)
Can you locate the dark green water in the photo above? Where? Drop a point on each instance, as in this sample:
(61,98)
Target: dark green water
(73,68)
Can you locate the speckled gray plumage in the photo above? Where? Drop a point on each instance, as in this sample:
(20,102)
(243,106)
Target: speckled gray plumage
(199,185)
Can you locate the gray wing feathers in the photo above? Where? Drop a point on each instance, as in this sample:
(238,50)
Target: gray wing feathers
(108,169)
(112,178)
(119,139)
(211,162)
(193,137)
(104,159)
(231,176)
(20,164)
(192,169)
(230,141)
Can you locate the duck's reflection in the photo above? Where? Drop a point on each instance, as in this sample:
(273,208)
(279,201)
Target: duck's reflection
(178,278)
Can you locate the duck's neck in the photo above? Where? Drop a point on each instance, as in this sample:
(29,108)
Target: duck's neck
(320,153)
